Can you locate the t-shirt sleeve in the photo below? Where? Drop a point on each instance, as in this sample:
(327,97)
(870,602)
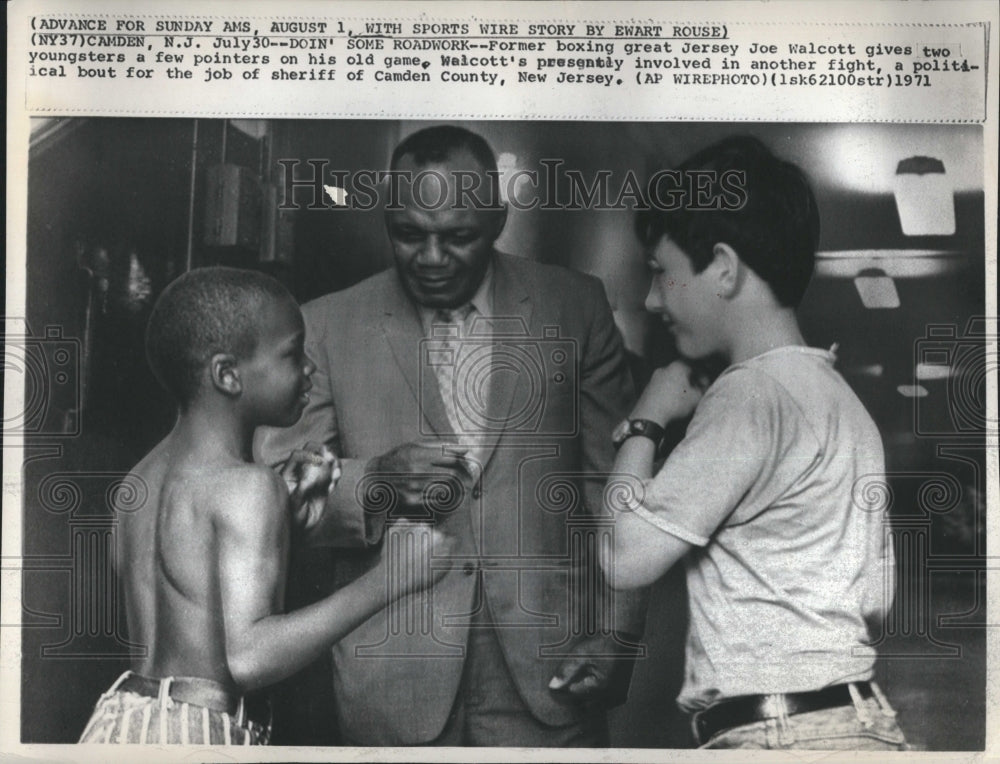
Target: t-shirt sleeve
(730,443)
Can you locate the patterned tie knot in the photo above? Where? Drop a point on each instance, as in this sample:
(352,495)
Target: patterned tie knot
(453,315)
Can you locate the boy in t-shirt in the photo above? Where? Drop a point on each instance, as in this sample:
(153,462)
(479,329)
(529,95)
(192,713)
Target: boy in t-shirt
(203,563)
(787,567)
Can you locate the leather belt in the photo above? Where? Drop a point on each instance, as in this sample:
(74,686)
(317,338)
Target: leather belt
(747,709)
(199,692)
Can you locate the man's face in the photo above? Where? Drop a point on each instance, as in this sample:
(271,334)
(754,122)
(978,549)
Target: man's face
(276,377)
(688,302)
(441,251)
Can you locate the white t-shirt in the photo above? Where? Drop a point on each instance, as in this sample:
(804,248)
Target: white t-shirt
(791,559)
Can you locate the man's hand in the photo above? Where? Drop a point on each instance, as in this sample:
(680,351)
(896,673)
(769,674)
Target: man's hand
(412,468)
(586,674)
(310,472)
(673,393)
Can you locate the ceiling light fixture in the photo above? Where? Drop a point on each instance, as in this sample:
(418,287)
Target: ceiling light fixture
(876,290)
(926,371)
(867,370)
(925,199)
(896,263)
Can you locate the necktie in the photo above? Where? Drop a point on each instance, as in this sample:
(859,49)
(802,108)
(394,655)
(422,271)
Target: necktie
(449,329)
(456,316)
(464,382)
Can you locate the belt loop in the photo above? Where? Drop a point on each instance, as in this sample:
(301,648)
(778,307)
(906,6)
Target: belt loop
(164,694)
(118,682)
(863,712)
(785,734)
(883,701)
(694,728)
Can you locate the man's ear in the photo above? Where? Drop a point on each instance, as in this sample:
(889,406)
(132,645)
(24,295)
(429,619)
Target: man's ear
(225,374)
(728,269)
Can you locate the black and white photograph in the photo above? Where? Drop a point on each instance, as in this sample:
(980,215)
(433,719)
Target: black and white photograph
(500,381)
(508,485)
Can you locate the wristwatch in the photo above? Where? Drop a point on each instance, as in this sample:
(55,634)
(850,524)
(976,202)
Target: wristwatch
(631,428)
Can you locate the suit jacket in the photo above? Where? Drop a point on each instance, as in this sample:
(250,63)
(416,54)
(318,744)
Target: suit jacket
(527,530)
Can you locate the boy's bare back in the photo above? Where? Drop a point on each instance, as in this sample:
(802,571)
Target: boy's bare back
(194,542)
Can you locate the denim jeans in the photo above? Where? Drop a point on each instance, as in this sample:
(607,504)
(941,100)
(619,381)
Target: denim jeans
(867,725)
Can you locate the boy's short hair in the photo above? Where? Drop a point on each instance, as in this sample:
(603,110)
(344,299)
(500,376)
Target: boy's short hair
(204,312)
(775,231)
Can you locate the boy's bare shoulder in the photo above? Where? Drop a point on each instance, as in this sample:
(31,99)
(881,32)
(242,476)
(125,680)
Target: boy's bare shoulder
(248,477)
(248,489)
(229,491)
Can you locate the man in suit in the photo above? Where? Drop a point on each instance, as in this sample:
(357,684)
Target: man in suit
(479,389)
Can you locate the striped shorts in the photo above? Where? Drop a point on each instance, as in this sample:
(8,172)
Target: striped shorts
(127,717)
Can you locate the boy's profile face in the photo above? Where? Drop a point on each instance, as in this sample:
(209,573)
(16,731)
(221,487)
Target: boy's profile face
(276,377)
(687,301)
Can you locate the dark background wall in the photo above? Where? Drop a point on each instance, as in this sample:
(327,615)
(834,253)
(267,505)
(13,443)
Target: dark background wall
(117,209)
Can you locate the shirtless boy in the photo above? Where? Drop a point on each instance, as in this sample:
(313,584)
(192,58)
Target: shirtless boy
(203,563)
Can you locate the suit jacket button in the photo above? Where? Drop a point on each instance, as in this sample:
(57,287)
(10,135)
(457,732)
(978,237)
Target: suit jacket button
(476,491)
(469,568)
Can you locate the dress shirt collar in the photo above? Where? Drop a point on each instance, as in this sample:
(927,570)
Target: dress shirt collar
(482,300)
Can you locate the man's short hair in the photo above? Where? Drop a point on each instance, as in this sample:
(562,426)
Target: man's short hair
(204,312)
(435,145)
(775,232)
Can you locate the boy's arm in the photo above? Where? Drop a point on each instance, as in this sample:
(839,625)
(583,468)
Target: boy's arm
(264,646)
(640,554)
(728,446)
(732,443)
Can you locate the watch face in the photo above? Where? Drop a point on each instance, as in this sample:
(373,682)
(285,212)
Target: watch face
(638,427)
(632,427)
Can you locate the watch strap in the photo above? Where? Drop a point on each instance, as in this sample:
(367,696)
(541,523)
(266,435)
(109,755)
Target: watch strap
(643,428)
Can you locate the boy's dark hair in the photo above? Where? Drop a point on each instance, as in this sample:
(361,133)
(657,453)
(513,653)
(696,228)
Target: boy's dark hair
(775,231)
(204,312)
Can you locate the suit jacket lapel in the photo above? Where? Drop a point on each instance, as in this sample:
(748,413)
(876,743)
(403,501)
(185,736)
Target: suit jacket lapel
(512,312)
(404,333)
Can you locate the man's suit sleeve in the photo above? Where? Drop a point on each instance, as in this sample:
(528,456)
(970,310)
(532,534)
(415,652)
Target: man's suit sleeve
(607,395)
(344,523)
